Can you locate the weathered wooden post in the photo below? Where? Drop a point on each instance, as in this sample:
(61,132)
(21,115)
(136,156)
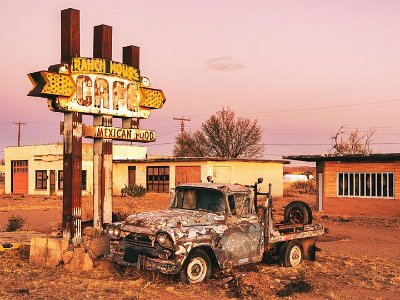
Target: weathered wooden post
(72,167)
(102,148)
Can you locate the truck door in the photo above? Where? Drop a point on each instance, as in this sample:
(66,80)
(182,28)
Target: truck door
(242,242)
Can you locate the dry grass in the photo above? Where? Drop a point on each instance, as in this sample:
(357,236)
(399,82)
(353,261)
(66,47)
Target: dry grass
(335,275)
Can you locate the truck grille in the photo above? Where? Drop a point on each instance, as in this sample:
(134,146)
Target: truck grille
(134,239)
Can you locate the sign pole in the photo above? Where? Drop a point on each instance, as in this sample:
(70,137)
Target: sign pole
(102,148)
(72,160)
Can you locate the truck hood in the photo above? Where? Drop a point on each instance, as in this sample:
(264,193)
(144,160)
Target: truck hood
(151,222)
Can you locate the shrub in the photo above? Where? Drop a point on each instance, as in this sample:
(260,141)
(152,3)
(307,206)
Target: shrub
(15,223)
(133,190)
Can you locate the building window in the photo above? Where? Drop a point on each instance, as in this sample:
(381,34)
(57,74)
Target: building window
(61,180)
(368,185)
(158,179)
(84,180)
(41,180)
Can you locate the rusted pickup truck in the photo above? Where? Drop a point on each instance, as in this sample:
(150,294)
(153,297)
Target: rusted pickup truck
(211,225)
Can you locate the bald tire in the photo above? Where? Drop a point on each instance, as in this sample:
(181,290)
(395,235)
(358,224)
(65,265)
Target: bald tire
(197,267)
(291,254)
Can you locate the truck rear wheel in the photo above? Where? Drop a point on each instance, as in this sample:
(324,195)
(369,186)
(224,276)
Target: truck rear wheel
(297,212)
(291,254)
(197,268)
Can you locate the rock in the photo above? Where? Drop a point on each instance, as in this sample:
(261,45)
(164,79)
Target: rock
(86,243)
(52,263)
(87,263)
(79,250)
(99,246)
(67,256)
(64,245)
(76,263)
(54,254)
(37,261)
(88,231)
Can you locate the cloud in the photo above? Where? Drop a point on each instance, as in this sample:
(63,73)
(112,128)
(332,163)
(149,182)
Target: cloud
(224,63)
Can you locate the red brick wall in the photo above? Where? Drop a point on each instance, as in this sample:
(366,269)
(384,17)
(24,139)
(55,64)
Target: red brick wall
(360,206)
(332,168)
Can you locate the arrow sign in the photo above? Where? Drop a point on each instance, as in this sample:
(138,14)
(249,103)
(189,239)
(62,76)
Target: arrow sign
(50,85)
(151,98)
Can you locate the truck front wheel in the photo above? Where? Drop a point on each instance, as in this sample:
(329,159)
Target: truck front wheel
(197,268)
(291,254)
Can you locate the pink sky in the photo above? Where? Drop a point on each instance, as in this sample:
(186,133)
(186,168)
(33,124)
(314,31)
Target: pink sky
(302,68)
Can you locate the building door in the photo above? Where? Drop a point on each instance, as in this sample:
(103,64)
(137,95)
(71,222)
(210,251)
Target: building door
(52,182)
(158,179)
(187,174)
(19,176)
(131,175)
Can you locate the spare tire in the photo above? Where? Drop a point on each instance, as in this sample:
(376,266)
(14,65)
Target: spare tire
(297,212)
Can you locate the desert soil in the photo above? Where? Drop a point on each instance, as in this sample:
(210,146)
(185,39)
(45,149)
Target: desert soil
(358,260)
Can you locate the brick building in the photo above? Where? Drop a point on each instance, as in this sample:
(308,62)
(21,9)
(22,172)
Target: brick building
(364,184)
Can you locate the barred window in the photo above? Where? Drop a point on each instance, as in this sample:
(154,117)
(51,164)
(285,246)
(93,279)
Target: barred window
(369,185)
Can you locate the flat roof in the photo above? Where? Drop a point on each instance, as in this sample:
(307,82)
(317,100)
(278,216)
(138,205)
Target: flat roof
(376,157)
(198,159)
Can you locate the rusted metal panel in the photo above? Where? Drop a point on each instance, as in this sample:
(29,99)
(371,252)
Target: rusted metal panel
(72,171)
(130,56)
(102,42)
(70,34)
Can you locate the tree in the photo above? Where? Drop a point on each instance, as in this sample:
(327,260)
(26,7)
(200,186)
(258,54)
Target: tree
(222,135)
(354,143)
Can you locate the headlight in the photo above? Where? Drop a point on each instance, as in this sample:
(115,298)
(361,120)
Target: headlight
(162,239)
(110,230)
(117,231)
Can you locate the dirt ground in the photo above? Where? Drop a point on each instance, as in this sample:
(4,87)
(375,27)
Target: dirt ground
(358,260)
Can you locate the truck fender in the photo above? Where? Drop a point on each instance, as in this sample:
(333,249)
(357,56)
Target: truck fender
(210,252)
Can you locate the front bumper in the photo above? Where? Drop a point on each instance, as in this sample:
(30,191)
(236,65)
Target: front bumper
(136,257)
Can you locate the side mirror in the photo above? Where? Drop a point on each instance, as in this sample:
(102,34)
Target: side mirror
(260,180)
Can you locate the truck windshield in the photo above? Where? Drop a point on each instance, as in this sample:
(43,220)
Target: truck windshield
(198,199)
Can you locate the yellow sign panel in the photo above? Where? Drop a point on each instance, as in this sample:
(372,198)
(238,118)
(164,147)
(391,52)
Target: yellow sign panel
(151,98)
(97,86)
(51,84)
(104,66)
(121,134)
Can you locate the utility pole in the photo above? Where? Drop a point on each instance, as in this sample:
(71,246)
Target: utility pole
(182,119)
(19,131)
